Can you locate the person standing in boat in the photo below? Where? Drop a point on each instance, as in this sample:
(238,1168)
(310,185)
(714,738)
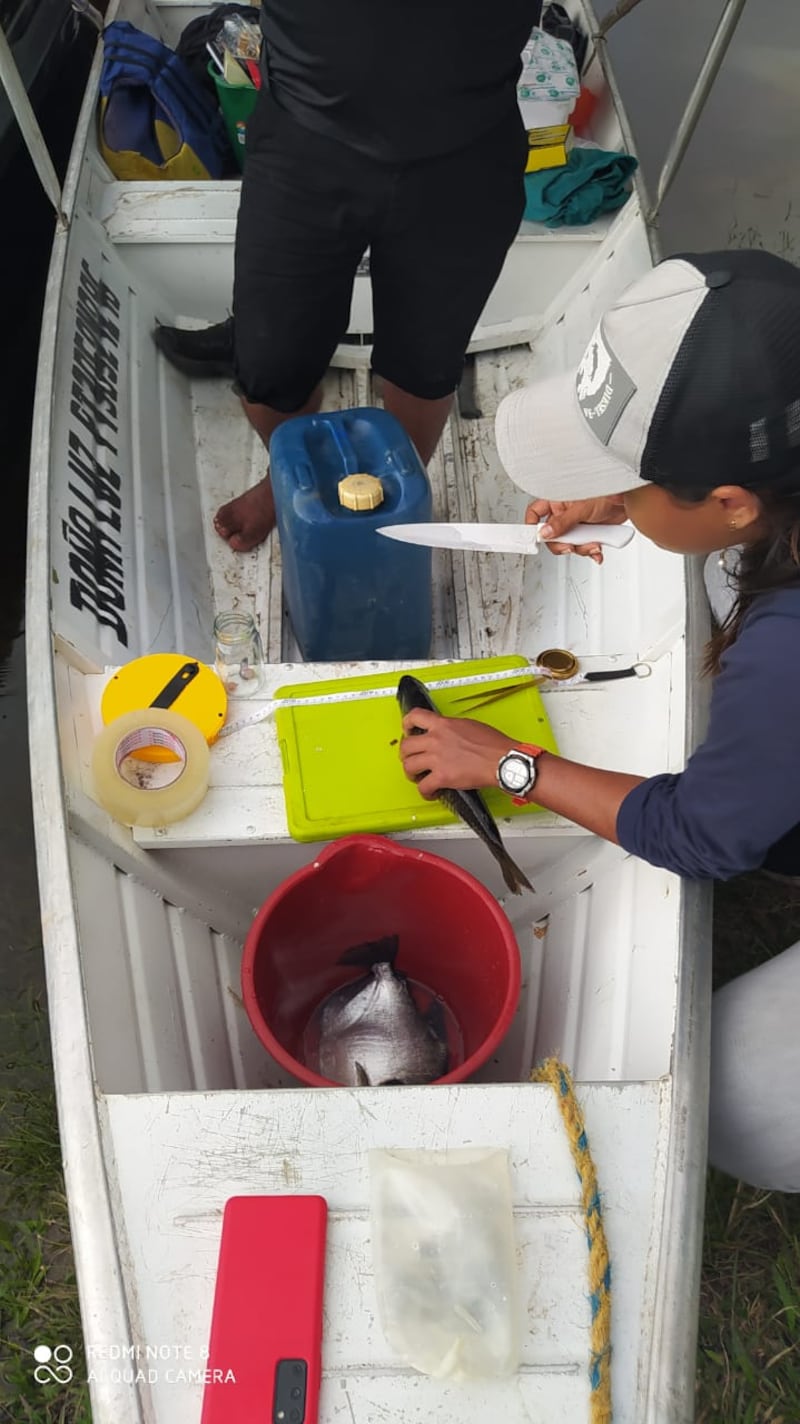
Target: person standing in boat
(393,127)
(684,417)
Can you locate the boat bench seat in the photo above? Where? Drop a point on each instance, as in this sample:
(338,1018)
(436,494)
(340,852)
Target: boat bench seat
(244,804)
(203,1148)
(170,232)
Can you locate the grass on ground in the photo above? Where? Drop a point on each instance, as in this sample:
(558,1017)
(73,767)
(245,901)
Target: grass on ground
(748,1358)
(38,1297)
(748,1362)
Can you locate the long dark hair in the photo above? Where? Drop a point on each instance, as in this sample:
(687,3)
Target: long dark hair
(772,562)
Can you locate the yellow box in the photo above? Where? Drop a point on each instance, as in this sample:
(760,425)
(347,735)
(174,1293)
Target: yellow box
(548,148)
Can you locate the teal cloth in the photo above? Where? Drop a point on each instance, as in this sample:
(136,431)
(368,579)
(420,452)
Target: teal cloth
(590,183)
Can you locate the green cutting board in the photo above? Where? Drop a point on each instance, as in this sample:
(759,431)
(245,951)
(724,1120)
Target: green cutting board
(341,768)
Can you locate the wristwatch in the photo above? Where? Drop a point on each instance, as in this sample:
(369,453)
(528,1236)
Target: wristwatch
(516,772)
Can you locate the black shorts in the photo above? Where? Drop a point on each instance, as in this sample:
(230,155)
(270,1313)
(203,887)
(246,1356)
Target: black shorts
(438,232)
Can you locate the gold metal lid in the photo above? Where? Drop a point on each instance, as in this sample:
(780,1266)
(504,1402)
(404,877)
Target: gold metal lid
(558,663)
(360,492)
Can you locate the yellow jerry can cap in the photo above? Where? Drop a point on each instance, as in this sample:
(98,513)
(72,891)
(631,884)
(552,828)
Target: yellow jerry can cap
(360,492)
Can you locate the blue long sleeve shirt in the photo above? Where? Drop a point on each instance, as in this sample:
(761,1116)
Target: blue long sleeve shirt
(737,804)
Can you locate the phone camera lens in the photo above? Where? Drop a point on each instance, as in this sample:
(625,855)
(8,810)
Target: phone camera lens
(296,1392)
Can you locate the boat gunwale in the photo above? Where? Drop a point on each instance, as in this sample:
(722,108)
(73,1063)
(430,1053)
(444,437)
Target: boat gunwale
(97,1262)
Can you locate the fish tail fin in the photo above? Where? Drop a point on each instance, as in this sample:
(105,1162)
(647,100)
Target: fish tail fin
(513,876)
(374,951)
(472,809)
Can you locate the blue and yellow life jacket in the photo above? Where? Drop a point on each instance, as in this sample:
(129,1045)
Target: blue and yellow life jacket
(156,121)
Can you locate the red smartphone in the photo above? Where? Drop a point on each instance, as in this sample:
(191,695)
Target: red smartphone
(265,1349)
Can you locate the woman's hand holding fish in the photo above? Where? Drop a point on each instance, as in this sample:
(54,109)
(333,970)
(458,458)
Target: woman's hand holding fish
(559,516)
(461,754)
(455,753)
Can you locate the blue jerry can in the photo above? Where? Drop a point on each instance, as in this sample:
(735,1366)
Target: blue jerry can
(351,594)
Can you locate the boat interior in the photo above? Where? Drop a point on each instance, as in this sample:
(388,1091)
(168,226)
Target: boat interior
(142,254)
(182,1090)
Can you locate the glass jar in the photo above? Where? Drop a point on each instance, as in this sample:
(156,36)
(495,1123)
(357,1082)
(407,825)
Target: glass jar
(238,656)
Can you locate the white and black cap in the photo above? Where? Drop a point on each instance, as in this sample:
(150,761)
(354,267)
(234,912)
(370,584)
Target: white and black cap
(691,380)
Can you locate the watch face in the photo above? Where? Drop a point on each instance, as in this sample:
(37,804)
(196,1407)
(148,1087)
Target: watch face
(515,773)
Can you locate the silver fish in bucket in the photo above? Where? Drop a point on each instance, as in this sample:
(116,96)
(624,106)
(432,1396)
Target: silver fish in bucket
(372,1032)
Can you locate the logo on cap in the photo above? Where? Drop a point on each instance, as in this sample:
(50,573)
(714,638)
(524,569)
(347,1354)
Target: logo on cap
(603,387)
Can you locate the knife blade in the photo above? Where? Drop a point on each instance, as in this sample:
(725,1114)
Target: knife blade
(503,538)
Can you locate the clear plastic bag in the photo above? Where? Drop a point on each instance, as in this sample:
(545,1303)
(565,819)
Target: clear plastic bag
(241,38)
(445,1260)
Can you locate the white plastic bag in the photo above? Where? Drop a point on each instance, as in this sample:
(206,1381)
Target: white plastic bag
(549,84)
(445,1260)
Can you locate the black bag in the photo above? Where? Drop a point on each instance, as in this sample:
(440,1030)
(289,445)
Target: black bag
(198,33)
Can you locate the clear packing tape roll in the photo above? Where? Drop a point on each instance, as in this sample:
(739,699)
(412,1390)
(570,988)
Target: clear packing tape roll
(142,792)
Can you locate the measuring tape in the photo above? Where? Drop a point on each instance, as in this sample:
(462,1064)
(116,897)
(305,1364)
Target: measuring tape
(365,694)
(510,674)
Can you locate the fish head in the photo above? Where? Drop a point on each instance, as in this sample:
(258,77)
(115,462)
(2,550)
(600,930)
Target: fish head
(385,974)
(413,695)
(373,998)
(392,986)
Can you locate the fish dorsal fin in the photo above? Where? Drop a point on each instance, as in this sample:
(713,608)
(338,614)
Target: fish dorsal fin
(375,951)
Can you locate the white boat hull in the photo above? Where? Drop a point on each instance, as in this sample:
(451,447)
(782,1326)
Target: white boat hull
(167,1103)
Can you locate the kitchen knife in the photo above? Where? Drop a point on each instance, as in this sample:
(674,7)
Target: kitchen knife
(504,538)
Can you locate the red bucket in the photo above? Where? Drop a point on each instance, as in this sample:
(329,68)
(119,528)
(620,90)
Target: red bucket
(453,938)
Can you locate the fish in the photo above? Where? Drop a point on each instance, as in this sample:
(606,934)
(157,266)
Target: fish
(371,1032)
(469,806)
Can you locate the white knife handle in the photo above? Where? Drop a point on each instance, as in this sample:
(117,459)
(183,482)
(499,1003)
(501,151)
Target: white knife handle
(615,535)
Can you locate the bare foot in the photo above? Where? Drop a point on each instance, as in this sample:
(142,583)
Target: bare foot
(245,522)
